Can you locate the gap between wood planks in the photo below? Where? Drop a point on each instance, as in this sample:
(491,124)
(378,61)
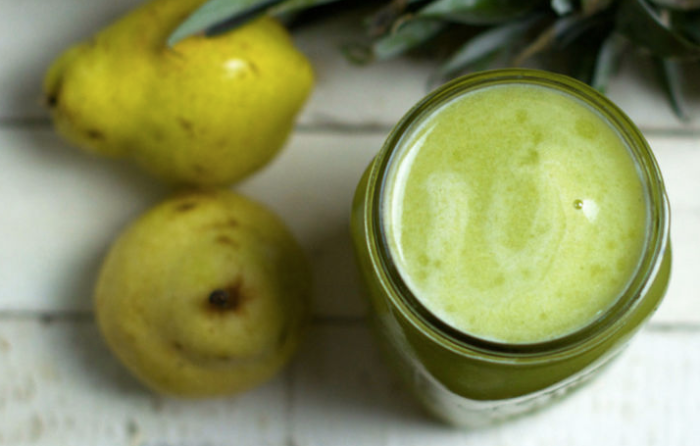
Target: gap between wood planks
(87,316)
(82,316)
(38,122)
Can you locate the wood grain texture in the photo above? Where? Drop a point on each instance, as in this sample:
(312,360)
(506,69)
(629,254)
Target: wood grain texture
(63,208)
(345,396)
(679,160)
(61,386)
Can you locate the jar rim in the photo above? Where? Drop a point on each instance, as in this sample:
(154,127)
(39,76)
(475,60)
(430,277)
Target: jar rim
(593,332)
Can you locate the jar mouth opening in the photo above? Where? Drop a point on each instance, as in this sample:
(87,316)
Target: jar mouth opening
(657,228)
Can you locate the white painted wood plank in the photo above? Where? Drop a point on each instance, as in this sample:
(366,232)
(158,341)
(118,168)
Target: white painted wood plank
(679,160)
(636,90)
(62,208)
(34,32)
(60,386)
(311,186)
(344,395)
(378,94)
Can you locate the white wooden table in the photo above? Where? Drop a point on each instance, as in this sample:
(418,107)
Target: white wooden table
(59,385)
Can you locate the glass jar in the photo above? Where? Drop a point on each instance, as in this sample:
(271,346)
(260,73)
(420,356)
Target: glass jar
(470,381)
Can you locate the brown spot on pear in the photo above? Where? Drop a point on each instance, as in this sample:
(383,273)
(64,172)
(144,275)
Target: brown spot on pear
(226,300)
(223,239)
(185,206)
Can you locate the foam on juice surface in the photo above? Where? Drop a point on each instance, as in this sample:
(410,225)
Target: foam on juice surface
(515,214)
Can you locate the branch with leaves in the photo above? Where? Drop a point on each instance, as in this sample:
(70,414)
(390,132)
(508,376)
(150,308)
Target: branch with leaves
(581,38)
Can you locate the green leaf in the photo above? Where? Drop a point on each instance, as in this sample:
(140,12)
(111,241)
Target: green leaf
(683,5)
(217,16)
(478,12)
(576,26)
(357,53)
(563,7)
(583,66)
(649,29)
(541,43)
(384,18)
(669,76)
(608,61)
(289,6)
(486,44)
(408,35)
(687,23)
(590,7)
(566,31)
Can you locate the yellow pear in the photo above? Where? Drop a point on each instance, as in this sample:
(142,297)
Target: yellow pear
(208,111)
(207,294)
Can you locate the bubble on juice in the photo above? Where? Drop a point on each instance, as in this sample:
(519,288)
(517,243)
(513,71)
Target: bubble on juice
(589,207)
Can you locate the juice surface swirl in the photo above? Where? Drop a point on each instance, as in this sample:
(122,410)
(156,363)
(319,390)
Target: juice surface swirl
(515,213)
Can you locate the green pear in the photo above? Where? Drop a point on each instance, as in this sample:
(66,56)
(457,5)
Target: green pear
(208,111)
(207,294)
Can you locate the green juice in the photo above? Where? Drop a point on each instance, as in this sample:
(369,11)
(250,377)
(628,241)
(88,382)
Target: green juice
(515,214)
(512,235)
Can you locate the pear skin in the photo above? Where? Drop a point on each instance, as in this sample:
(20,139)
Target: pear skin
(205,295)
(208,111)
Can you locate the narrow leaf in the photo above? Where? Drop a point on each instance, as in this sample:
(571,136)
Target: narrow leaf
(562,7)
(608,61)
(670,80)
(359,54)
(643,25)
(556,34)
(541,43)
(216,16)
(574,27)
(590,7)
(687,23)
(582,67)
(382,20)
(478,12)
(407,36)
(290,6)
(683,5)
(485,44)
(480,64)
